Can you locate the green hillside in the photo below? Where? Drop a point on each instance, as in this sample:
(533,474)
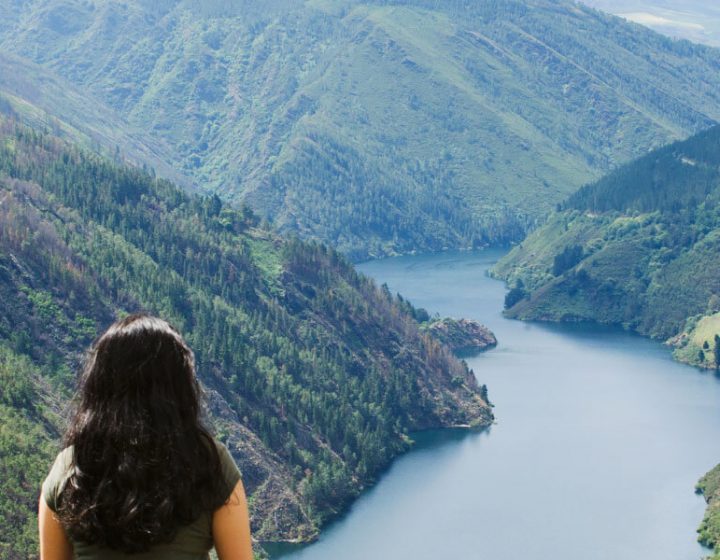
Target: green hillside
(315,376)
(28,434)
(638,248)
(41,99)
(380,127)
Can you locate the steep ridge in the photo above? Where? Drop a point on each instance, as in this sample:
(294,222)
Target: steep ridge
(381,127)
(315,376)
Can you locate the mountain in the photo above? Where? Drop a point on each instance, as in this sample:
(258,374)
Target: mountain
(380,126)
(694,20)
(315,376)
(639,248)
(41,99)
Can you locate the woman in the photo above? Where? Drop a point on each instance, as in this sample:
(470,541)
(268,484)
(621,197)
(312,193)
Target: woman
(140,477)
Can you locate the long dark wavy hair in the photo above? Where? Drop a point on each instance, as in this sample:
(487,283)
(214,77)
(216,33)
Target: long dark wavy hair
(144,465)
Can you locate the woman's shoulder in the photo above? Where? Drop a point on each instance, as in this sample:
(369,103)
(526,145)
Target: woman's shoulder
(57,477)
(230,471)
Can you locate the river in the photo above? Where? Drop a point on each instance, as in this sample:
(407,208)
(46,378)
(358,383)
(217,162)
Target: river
(599,440)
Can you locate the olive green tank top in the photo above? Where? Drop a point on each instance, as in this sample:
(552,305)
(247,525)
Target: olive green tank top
(193,542)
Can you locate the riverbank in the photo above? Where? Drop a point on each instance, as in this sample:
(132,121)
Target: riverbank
(596,412)
(709,487)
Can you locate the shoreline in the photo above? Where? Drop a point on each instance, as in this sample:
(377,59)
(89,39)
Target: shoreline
(296,544)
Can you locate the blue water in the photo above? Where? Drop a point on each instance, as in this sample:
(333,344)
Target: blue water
(599,440)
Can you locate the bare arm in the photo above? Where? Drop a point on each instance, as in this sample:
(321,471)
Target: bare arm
(231,527)
(54,544)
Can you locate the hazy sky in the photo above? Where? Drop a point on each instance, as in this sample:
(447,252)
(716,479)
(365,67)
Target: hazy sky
(696,20)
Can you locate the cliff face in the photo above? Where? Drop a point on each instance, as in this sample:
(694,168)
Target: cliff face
(314,374)
(462,334)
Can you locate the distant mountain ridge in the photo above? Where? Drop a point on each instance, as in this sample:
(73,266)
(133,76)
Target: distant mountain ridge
(381,127)
(314,375)
(695,20)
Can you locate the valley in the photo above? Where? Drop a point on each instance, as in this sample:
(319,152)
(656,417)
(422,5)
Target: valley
(223,165)
(314,375)
(378,127)
(598,442)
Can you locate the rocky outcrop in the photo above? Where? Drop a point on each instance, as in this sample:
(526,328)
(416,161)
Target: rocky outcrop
(462,334)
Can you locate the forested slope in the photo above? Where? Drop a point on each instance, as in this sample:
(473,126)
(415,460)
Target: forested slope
(380,126)
(640,247)
(315,376)
(41,99)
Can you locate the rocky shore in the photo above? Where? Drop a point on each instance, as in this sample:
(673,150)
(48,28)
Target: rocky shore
(462,334)
(709,531)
